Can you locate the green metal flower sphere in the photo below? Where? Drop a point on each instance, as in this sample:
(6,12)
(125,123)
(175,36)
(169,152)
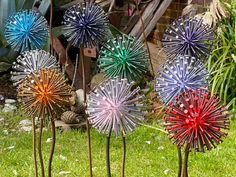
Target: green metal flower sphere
(123,57)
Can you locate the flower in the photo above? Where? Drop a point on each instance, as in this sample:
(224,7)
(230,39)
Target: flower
(123,57)
(44,93)
(26,30)
(179,75)
(112,106)
(197,119)
(188,36)
(86,24)
(32,61)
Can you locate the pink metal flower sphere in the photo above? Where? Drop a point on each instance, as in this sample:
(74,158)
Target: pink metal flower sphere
(112,106)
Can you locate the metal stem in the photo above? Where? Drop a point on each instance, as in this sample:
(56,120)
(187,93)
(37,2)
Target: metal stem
(87,122)
(52,147)
(185,165)
(34,148)
(124,155)
(108,155)
(40,147)
(180,161)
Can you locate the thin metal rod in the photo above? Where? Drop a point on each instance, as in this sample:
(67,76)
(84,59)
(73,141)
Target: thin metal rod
(144,35)
(40,147)
(124,155)
(185,164)
(34,148)
(52,147)
(179,161)
(87,122)
(108,155)
(50,27)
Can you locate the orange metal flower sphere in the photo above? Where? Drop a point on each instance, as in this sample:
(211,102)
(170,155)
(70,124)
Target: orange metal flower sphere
(44,93)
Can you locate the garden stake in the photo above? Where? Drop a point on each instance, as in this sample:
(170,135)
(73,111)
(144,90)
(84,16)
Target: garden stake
(124,155)
(87,122)
(180,161)
(196,120)
(34,147)
(185,165)
(40,147)
(108,155)
(44,94)
(52,147)
(114,105)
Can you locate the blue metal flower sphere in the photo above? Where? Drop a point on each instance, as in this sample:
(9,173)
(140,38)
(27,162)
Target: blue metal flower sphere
(188,36)
(113,106)
(123,57)
(26,30)
(86,25)
(32,61)
(179,75)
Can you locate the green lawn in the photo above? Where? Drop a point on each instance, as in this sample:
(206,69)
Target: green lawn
(149,154)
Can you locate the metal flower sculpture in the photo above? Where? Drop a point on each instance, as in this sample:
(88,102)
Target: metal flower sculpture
(179,75)
(32,61)
(197,121)
(44,93)
(188,36)
(26,30)
(123,57)
(86,24)
(114,107)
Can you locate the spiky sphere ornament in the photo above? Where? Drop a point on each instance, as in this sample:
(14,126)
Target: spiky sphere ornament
(197,119)
(26,30)
(32,61)
(179,75)
(112,106)
(44,93)
(123,57)
(188,36)
(86,24)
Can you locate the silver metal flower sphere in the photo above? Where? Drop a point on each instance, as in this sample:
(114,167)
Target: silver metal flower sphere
(188,36)
(86,24)
(179,75)
(112,106)
(32,61)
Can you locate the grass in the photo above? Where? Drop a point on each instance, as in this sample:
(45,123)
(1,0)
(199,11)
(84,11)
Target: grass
(149,154)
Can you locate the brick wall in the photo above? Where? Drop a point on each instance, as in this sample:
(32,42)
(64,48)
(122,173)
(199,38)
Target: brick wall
(174,11)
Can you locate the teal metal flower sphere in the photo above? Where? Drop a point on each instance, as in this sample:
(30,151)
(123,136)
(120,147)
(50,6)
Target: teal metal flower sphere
(26,30)
(123,57)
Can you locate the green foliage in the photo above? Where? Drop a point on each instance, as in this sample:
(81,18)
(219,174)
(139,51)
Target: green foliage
(222,62)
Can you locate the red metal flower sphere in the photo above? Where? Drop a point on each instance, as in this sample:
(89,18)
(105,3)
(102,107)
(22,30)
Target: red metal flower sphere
(197,119)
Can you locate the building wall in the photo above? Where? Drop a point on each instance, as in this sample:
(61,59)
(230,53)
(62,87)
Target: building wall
(174,11)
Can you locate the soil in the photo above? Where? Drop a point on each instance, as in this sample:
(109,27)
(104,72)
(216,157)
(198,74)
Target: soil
(7,90)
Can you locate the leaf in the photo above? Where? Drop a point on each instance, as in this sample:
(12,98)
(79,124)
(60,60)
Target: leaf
(44,6)
(4,66)
(24,4)
(7,7)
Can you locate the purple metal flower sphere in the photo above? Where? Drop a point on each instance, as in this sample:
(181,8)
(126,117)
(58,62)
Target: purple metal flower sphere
(188,36)
(86,25)
(179,75)
(112,106)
